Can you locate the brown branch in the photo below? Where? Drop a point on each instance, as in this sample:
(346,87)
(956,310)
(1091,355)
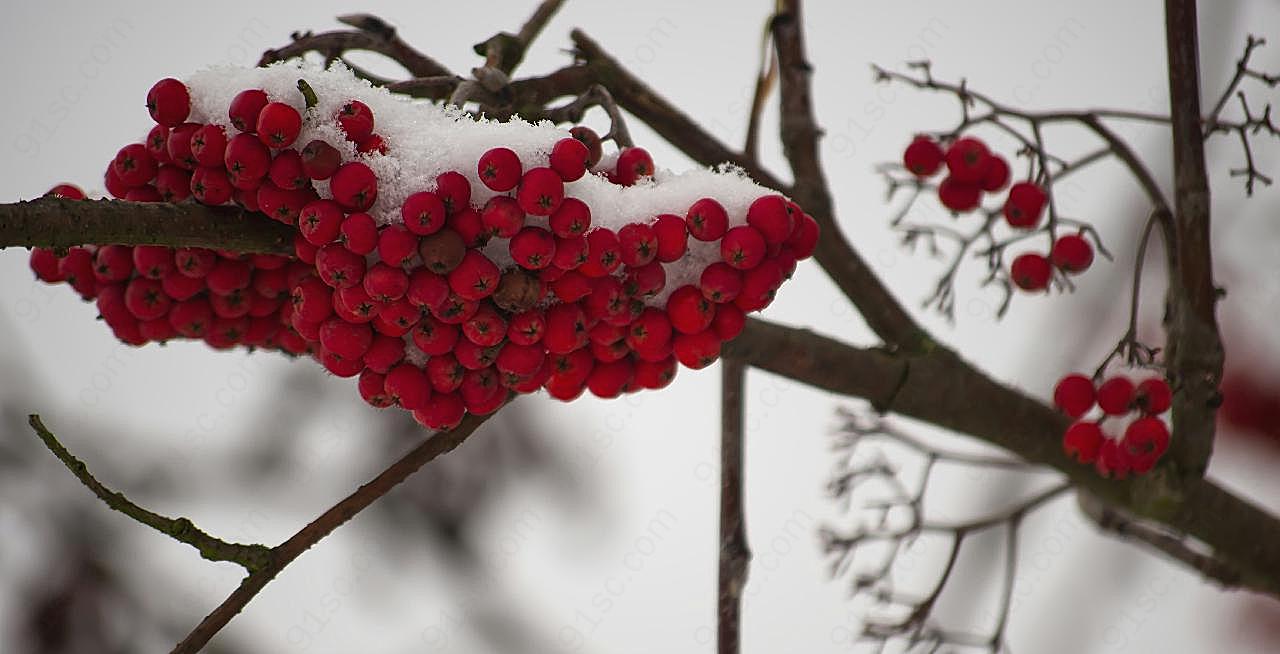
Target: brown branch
(1124,525)
(285,553)
(595,96)
(60,223)
(735,554)
(505,51)
(1194,347)
(372,34)
(251,557)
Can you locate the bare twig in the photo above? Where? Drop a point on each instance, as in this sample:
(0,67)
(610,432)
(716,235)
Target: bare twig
(595,96)
(285,553)
(251,557)
(372,33)
(735,554)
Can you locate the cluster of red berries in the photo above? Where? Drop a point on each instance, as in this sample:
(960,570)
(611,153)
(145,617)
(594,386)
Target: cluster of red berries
(972,169)
(1145,438)
(415,308)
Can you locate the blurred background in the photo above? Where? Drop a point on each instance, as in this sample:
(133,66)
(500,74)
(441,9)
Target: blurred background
(591,526)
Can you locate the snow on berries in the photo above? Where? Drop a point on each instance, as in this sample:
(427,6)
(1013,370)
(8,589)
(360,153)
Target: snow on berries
(973,171)
(443,262)
(1144,438)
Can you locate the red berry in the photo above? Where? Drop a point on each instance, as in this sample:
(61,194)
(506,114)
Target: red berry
(146,299)
(408,385)
(423,213)
(633,164)
(603,253)
(1072,253)
(284,205)
(571,286)
(520,360)
(502,216)
(319,221)
(454,189)
(1153,396)
(743,247)
(359,233)
(173,183)
(44,263)
(968,160)
(720,282)
(1115,396)
(113,263)
(566,328)
(320,160)
(191,318)
(397,318)
(672,233)
(134,165)
(210,186)
(247,160)
(384,352)
(209,145)
(772,216)
(354,186)
(228,275)
(244,109)
(386,283)
(541,192)
(923,157)
(644,281)
(1082,441)
(485,327)
(286,171)
(339,267)
(194,262)
(729,321)
(654,374)
(1145,441)
(356,120)
(157,143)
(179,146)
(609,380)
(689,310)
(474,357)
(499,169)
(395,244)
(959,196)
(997,175)
(169,102)
(444,412)
(569,158)
(372,143)
(278,125)
(1031,272)
(589,138)
(638,245)
(1074,395)
(650,332)
(1025,203)
(707,220)
(475,278)
(427,289)
(153,261)
(371,387)
(533,248)
(759,285)
(526,328)
(697,350)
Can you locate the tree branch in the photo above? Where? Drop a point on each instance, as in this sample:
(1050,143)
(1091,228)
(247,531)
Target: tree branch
(285,553)
(1195,349)
(61,223)
(251,557)
(735,554)
(372,33)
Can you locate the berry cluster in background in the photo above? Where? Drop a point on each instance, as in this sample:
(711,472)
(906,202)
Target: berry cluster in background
(467,286)
(1144,439)
(972,171)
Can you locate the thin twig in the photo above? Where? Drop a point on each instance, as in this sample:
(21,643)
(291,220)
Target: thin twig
(251,557)
(595,96)
(735,554)
(285,553)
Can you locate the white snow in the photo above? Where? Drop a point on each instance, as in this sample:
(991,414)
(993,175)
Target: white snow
(425,139)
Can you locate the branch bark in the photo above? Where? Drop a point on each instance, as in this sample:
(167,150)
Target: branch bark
(1195,349)
(735,554)
(61,223)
